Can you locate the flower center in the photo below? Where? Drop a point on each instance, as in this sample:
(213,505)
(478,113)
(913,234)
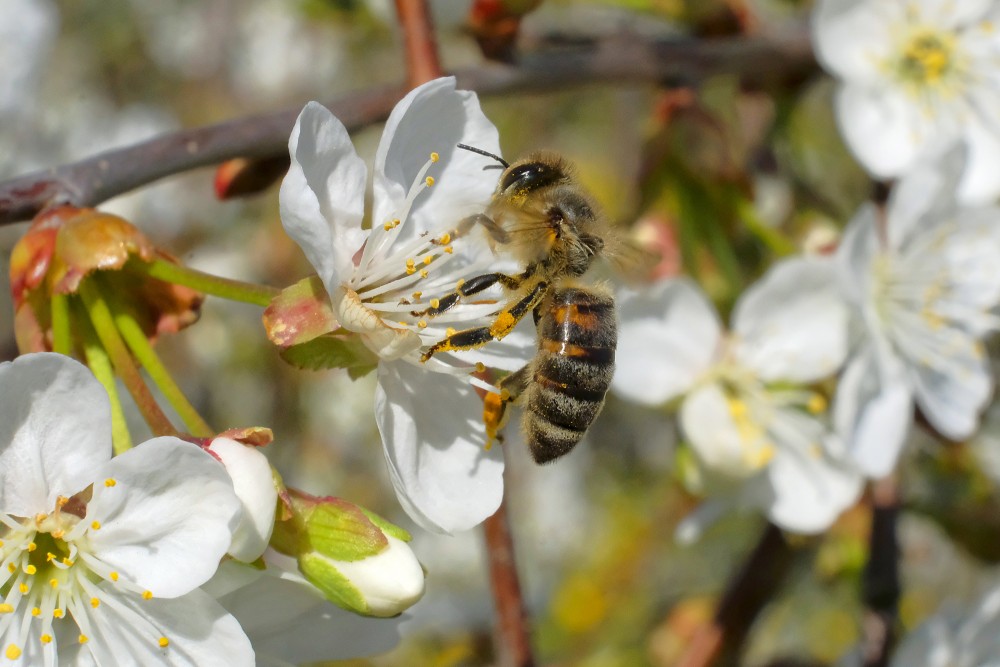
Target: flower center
(927,58)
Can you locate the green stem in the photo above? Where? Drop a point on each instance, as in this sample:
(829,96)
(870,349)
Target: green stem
(137,341)
(62,340)
(226,288)
(100,365)
(104,325)
(769,236)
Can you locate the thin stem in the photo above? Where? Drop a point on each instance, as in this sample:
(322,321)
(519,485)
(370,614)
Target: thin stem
(225,288)
(422,60)
(104,325)
(100,366)
(62,339)
(139,344)
(623,59)
(511,635)
(775,241)
(753,586)
(881,587)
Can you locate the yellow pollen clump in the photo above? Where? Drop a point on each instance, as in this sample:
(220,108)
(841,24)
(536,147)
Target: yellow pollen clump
(82,638)
(30,569)
(163,642)
(58,534)
(36,611)
(445,239)
(61,501)
(410,270)
(57,613)
(816,404)
(417,295)
(435,157)
(737,408)
(927,57)
(449,249)
(422,324)
(24,588)
(96,525)
(113,576)
(423,273)
(435,303)
(45,638)
(13,652)
(410,263)
(6,608)
(402,324)
(480,367)
(450,331)
(66,561)
(387,226)
(110,481)
(11,568)
(49,557)
(428,259)
(31,547)
(1,543)
(54,583)
(147,595)
(95,603)
(429,181)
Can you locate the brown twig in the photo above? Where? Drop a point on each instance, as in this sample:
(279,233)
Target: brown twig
(759,577)
(419,42)
(511,636)
(881,587)
(626,59)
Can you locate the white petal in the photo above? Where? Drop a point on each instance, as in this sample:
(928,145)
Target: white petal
(951,14)
(873,409)
(200,632)
(668,336)
(852,38)
(810,490)
(954,389)
(253,482)
(971,251)
(708,424)
(886,132)
(701,518)
(55,431)
(322,197)
(434,439)
(792,324)
(857,251)
(981,180)
(390,582)
(169,517)
(435,117)
(297,624)
(924,199)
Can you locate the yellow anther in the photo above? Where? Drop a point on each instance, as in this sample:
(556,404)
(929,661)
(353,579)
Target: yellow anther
(58,534)
(24,588)
(30,569)
(480,367)
(82,638)
(435,303)
(57,613)
(387,226)
(428,259)
(61,501)
(445,239)
(429,181)
(6,608)
(816,404)
(163,642)
(49,557)
(147,595)
(110,481)
(1,544)
(422,324)
(31,547)
(403,324)
(113,576)
(737,408)
(410,263)
(423,273)
(410,270)
(46,638)
(96,525)
(13,652)
(11,568)
(417,295)
(36,611)
(450,331)
(66,561)
(54,583)
(435,157)
(396,222)
(95,603)
(448,249)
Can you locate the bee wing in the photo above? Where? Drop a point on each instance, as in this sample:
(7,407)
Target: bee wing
(630,260)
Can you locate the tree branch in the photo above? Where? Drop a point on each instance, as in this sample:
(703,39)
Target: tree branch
(624,59)
(881,586)
(512,639)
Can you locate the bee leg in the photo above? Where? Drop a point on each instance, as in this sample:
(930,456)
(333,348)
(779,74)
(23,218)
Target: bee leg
(497,233)
(495,412)
(475,285)
(505,322)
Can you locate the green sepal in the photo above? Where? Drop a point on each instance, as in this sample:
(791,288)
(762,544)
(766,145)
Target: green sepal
(342,531)
(324,575)
(333,350)
(389,529)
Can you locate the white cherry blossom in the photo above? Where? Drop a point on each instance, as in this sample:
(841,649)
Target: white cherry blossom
(916,78)
(379,281)
(922,292)
(745,410)
(102,558)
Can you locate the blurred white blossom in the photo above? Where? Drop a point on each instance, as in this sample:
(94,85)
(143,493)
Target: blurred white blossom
(916,78)
(755,429)
(922,290)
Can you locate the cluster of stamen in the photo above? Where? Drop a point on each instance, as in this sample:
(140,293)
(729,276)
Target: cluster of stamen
(47,571)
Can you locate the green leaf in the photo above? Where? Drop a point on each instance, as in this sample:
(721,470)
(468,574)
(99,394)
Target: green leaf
(333,350)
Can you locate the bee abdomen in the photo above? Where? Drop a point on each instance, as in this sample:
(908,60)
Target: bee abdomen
(571,372)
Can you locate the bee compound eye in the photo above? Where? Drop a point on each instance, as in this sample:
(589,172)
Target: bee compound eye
(530,176)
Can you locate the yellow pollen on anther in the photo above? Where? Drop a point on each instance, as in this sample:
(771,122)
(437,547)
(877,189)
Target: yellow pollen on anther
(113,576)
(450,331)
(449,249)
(422,324)
(410,263)
(403,324)
(6,608)
(61,501)
(95,603)
(58,534)
(417,295)
(96,525)
(110,481)
(11,568)
(54,583)
(435,157)
(147,595)
(30,569)
(13,652)
(45,638)
(31,547)
(428,259)
(67,562)
(423,273)
(163,642)
(387,226)
(1,543)
(435,303)
(24,588)
(816,404)
(57,613)
(49,557)
(480,367)
(445,239)
(410,270)
(429,181)
(36,611)
(82,638)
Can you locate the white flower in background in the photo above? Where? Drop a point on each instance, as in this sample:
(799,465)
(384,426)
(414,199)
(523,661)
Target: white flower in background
(253,482)
(917,77)
(288,620)
(755,430)
(431,423)
(923,297)
(102,558)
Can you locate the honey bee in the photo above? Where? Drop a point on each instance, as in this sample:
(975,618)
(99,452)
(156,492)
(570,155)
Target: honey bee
(544,219)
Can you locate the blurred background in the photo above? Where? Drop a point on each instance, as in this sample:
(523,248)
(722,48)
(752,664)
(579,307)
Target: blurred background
(721,177)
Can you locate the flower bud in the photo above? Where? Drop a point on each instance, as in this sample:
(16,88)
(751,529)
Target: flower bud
(254,484)
(357,559)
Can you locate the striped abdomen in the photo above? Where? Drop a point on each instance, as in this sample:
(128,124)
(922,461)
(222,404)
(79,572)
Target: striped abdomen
(572,370)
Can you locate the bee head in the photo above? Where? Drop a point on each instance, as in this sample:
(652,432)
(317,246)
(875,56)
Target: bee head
(525,177)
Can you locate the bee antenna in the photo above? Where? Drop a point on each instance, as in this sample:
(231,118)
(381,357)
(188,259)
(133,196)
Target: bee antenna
(480,151)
